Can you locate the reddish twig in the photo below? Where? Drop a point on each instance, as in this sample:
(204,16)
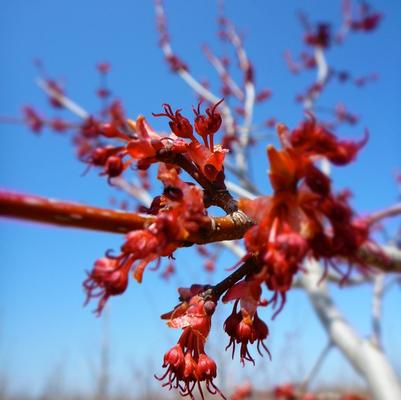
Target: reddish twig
(56,212)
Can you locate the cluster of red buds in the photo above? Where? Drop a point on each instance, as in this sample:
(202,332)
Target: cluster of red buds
(187,365)
(365,19)
(318,38)
(303,217)
(321,36)
(244,327)
(208,157)
(180,212)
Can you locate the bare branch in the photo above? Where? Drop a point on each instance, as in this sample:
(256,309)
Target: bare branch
(240,191)
(368,360)
(378,292)
(321,78)
(167,50)
(377,216)
(55,212)
(384,258)
(64,100)
(237,250)
(223,73)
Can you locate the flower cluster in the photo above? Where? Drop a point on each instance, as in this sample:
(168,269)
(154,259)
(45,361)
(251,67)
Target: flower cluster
(303,216)
(208,157)
(244,326)
(146,147)
(187,364)
(180,212)
(137,141)
(365,19)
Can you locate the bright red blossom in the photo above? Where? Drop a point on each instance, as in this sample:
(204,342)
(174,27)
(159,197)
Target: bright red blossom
(178,124)
(209,158)
(207,125)
(108,278)
(302,216)
(33,119)
(187,363)
(180,212)
(244,326)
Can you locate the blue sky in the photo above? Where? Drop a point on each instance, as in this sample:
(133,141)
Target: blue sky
(42,321)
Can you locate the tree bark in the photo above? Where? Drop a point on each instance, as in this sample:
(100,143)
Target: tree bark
(367,359)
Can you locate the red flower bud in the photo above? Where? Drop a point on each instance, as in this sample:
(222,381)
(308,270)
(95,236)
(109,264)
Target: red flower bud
(174,358)
(114,166)
(209,124)
(206,368)
(178,124)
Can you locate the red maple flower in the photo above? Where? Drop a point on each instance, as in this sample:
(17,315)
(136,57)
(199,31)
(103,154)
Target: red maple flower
(58,92)
(244,326)
(33,119)
(209,158)
(178,124)
(108,278)
(302,217)
(180,213)
(187,363)
(320,37)
(207,125)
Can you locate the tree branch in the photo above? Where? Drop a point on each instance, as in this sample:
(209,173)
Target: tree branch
(377,298)
(384,258)
(369,361)
(231,227)
(55,212)
(387,212)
